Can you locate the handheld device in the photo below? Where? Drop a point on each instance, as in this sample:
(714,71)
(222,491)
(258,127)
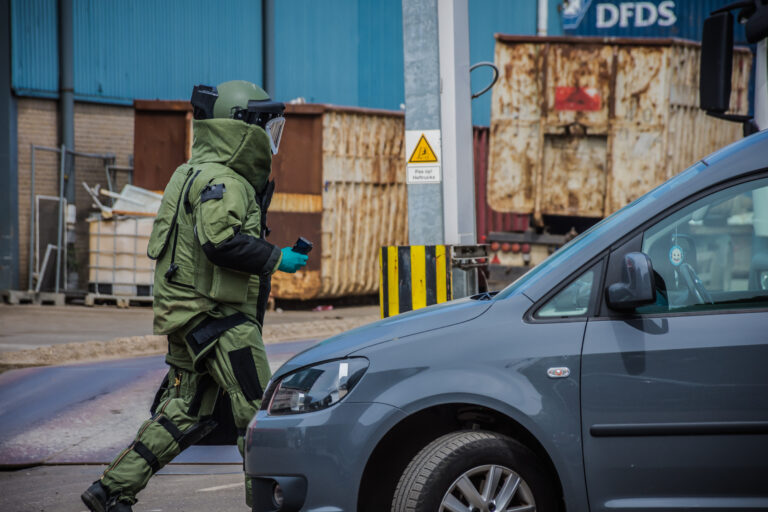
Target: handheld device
(302,246)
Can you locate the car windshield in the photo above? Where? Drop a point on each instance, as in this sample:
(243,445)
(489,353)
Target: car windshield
(585,238)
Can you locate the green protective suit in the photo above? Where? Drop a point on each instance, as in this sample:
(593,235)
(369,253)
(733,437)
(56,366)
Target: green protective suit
(211,286)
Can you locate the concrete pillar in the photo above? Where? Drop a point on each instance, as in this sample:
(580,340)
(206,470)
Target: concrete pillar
(422,112)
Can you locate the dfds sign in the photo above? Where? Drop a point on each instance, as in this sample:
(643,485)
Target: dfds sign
(642,18)
(579,15)
(636,14)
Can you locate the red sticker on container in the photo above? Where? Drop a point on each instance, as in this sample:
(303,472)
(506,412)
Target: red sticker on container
(577,98)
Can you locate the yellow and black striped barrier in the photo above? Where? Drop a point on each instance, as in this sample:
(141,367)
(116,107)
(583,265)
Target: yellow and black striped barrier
(413,277)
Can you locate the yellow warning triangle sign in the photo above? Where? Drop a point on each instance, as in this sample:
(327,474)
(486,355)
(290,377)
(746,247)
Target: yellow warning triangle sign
(423,154)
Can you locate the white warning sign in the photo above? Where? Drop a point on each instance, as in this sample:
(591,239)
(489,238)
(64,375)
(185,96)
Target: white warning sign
(422,150)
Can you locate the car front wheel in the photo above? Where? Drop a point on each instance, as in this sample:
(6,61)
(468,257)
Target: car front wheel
(474,471)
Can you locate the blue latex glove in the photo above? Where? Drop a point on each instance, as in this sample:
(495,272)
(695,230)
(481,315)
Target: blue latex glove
(292,261)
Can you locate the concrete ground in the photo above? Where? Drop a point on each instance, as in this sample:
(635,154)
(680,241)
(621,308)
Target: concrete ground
(30,326)
(87,412)
(184,488)
(60,425)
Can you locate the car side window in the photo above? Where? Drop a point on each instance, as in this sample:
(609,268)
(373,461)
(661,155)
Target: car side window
(571,301)
(712,254)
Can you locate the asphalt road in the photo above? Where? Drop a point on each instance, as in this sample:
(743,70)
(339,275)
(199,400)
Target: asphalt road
(59,425)
(176,488)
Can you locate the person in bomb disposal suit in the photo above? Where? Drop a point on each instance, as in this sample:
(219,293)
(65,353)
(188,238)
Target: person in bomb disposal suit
(212,282)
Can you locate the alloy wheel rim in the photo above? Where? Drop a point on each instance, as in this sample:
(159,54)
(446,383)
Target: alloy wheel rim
(488,488)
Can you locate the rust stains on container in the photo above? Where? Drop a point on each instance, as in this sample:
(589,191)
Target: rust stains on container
(299,203)
(583,126)
(339,183)
(489,220)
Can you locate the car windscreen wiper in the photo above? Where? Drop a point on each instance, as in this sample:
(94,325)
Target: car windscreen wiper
(484,296)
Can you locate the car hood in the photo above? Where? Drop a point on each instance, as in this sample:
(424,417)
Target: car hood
(400,326)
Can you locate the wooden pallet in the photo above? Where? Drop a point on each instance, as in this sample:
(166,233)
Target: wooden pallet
(15,297)
(121,301)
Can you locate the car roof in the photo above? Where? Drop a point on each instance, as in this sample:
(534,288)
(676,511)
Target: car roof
(741,158)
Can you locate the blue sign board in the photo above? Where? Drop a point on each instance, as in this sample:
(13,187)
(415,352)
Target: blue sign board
(644,18)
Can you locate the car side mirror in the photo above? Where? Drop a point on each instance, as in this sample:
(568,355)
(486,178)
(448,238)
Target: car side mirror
(716,63)
(716,67)
(637,287)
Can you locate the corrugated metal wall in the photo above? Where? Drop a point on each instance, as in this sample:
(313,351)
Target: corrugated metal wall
(581,127)
(126,50)
(34,47)
(488,17)
(345,52)
(351,52)
(381,54)
(137,49)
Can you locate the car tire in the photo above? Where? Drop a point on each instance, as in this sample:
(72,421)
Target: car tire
(439,475)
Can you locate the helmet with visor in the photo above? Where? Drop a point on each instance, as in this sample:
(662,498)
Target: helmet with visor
(241,100)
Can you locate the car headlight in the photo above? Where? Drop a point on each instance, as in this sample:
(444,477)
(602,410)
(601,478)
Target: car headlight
(314,388)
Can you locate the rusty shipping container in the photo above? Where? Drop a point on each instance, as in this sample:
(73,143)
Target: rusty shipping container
(162,140)
(583,126)
(487,219)
(339,183)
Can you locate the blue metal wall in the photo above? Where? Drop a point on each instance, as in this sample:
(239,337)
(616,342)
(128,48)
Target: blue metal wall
(34,47)
(351,53)
(137,49)
(348,52)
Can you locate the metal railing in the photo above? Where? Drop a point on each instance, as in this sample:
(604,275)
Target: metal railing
(108,158)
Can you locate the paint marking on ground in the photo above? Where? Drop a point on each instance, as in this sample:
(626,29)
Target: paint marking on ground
(221,487)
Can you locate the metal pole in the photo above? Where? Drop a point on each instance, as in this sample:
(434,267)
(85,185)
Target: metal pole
(66,117)
(422,113)
(541,19)
(9,175)
(67,88)
(103,156)
(456,123)
(31,214)
(62,161)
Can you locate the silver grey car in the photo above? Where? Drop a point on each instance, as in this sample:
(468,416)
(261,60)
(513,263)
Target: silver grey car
(629,371)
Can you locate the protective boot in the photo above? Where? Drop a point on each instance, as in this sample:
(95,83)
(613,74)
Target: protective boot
(96,497)
(120,506)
